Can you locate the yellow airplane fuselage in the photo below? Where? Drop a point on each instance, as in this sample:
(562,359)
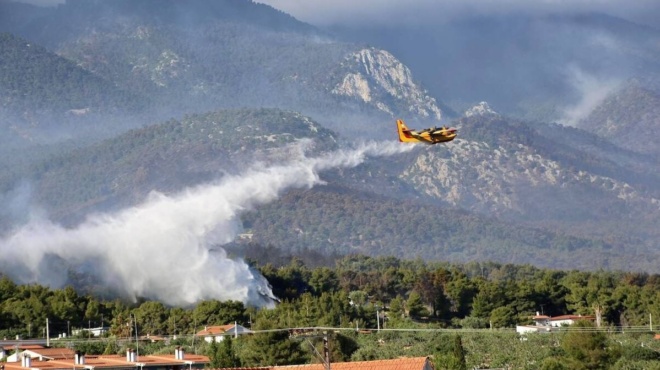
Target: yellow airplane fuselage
(427,136)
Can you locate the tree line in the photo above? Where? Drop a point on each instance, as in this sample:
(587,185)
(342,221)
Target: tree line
(472,295)
(359,294)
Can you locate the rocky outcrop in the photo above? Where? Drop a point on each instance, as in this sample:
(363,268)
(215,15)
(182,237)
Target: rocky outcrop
(377,78)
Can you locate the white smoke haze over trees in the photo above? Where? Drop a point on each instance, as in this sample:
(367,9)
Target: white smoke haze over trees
(592,90)
(167,247)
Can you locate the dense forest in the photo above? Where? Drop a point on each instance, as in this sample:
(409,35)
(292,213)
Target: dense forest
(415,302)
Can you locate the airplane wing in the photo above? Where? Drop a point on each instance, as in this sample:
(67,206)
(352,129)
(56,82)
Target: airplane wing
(425,140)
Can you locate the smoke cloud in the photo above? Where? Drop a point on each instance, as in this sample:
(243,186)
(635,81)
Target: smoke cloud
(592,92)
(166,248)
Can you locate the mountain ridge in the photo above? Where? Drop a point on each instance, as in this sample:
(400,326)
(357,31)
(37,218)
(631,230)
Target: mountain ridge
(224,94)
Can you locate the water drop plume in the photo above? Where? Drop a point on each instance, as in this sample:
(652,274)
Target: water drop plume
(166,247)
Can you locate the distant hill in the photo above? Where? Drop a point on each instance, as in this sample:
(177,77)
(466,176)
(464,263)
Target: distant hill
(170,94)
(43,95)
(525,65)
(206,55)
(46,100)
(167,157)
(504,196)
(341,221)
(36,81)
(630,117)
(530,174)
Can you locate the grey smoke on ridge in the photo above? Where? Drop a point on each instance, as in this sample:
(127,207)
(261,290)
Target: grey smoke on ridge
(161,248)
(592,92)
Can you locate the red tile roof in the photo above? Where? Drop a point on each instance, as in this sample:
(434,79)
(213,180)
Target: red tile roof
(215,330)
(111,361)
(54,353)
(170,359)
(48,365)
(24,347)
(572,317)
(414,363)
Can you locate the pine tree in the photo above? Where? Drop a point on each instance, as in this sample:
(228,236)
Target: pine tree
(226,356)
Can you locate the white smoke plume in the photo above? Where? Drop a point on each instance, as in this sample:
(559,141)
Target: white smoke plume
(592,92)
(161,249)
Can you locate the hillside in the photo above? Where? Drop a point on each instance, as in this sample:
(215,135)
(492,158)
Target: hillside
(522,174)
(34,81)
(45,98)
(417,211)
(170,96)
(630,117)
(209,55)
(166,157)
(336,220)
(526,65)
(49,105)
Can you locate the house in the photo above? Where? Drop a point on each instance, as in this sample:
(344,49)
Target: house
(546,324)
(408,363)
(565,320)
(42,354)
(217,333)
(178,361)
(95,332)
(6,350)
(524,329)
(152,338)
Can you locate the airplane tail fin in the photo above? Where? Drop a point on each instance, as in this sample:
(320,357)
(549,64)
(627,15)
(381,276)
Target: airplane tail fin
(404,132)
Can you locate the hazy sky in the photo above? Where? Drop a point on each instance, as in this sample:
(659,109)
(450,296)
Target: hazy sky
(324,12)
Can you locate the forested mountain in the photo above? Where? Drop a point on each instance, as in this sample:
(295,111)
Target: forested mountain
(212,90)
(165,157)
(522,173)
(548,66)
(36,80)
(629,116)
(341,222)
(417,211)
(208,55)
(44,95)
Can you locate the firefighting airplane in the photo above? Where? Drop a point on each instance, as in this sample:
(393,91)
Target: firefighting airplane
(433,135)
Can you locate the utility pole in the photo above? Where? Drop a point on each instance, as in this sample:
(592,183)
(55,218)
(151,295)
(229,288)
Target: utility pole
(47,334)
(137,344)
(326,351)
(378,320)
(194,334)
(650,322)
